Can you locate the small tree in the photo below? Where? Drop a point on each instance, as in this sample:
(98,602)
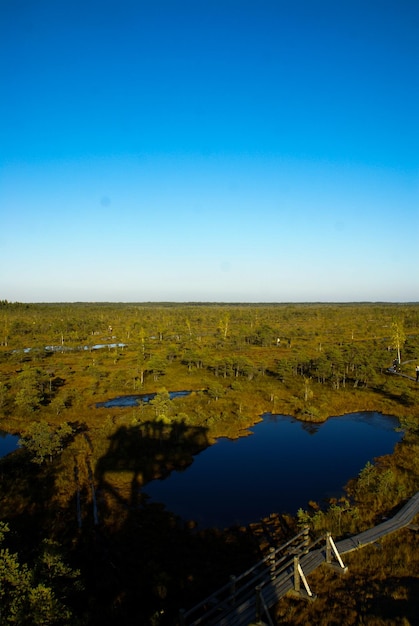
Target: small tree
(43,442)
(223,325)
(27,401)
(307,390)
(157,364)
(163,405)
(398,338)
(35,595)
(284,369)
(31,384)
(215,391)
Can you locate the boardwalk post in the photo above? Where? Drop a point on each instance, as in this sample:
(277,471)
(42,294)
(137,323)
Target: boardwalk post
(331,548)
(297,585)
(298,577)
(306,539)
(243,611)
(272,562)
(304,579)
(233,589)
(258,604)
(337,555)
(328,548)
(182,617)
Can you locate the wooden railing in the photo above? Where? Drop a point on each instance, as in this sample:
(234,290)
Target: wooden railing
(247,586)
(246,598)
(400,520)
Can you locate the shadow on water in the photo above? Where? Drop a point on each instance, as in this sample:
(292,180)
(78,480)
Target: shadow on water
(143,562)
(147,451)
(139,562)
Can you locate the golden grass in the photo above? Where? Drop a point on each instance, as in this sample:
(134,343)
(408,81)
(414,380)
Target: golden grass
(380,588)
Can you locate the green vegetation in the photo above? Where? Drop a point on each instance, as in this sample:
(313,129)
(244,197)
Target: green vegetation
(76,480)
(44,441)
(37,594)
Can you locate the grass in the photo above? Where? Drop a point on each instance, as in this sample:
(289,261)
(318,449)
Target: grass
(381,588)
(144,563)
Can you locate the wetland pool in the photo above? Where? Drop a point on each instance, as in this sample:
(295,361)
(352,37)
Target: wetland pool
(279,468)
(8,443)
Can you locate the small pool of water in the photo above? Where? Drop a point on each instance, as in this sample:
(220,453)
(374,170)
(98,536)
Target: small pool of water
(283,465)
(8,443)
(135,399)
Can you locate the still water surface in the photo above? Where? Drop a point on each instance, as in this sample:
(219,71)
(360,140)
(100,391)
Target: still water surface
(279,468)
(8,443)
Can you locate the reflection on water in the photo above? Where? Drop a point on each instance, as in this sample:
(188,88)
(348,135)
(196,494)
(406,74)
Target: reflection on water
(279,468)
(283,465)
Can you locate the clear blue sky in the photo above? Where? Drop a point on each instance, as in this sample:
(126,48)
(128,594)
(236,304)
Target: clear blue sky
(209,150)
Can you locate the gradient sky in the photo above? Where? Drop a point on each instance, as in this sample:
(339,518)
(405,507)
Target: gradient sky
(207,150)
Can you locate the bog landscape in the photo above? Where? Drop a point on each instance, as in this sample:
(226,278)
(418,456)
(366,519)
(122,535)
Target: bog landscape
(108,410)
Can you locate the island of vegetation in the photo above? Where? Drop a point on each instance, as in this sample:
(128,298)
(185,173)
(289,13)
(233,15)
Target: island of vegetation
(79,541)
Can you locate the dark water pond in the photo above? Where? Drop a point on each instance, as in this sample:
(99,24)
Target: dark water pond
(135,399)
(279,468)
(8,443)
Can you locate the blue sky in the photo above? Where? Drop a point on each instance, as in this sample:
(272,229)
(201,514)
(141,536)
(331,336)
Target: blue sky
(257,151)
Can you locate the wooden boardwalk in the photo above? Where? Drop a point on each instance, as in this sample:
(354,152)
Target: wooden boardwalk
(250,595)
(400,520)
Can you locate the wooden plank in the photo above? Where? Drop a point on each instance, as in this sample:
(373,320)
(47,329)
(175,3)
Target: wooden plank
(315,559)
(347,545)
(242,615)
(312,557)
(272,593)
(274,589)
